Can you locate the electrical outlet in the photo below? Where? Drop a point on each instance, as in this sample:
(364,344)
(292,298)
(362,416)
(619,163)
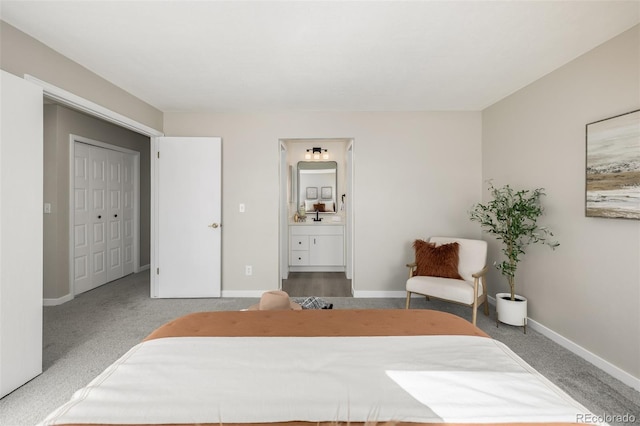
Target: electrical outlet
(241,208)
(47,207)
(248,270)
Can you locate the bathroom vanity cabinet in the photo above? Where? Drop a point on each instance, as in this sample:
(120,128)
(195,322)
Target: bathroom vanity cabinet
(316,247)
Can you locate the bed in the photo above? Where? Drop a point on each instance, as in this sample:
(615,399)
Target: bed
(319,367)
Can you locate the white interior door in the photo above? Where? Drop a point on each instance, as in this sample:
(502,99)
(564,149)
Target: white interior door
(115,165)
(82,227)
(188,246)
(21,216)
(98,215)
(103,215)
(90,215)
(128,214)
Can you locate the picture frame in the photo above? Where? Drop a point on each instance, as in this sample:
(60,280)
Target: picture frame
(312,192)
(326,192)
(613,167)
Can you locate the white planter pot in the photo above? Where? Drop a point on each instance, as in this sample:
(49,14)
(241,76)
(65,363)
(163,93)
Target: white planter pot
(512,312)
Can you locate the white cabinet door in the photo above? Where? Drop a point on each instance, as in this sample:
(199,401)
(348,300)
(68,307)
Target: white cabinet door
(316,248)
(21,210)
(326,250)
(188,248)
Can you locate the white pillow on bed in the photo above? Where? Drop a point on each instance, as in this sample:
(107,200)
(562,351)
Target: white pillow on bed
(308,205)
(329,206)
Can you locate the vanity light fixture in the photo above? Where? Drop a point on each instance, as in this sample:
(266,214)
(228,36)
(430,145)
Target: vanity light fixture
(316,153)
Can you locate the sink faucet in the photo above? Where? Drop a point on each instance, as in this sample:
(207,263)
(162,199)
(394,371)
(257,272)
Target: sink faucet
(317,218)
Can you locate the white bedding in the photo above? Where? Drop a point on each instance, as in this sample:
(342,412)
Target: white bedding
(276,379)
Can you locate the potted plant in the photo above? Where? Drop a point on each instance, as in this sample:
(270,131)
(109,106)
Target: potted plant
(511,216)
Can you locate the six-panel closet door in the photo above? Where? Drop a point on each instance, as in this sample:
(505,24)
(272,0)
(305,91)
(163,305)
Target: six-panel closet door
(128,211)
(103,216)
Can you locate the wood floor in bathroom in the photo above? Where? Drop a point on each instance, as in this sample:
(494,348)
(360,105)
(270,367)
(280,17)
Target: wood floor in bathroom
(327,284)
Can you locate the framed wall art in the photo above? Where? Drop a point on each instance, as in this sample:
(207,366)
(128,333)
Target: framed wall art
(312,192)
(326,192)
(613,167)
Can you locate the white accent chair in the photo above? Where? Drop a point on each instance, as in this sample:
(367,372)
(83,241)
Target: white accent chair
(470,291)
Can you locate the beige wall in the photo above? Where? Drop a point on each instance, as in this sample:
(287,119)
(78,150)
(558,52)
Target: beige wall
(22,55)
(416,175)
(588,290)
(59,123)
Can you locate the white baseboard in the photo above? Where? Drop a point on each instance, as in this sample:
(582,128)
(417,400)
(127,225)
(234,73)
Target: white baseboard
(379,294)
(58,301)
(395,294)
(594,359)
(316,268)
(243,293)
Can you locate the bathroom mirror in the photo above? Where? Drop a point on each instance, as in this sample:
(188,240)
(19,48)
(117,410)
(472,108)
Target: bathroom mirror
(317,186)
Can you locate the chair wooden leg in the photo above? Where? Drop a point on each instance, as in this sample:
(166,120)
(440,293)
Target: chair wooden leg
(475,313)
(486,307)
(408,300)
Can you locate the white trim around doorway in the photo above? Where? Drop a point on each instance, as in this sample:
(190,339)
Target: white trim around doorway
(66,98)
(92,109)
(284,204)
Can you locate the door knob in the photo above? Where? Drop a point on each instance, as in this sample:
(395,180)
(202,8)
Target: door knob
(214,225)
(115,215)
(99,217)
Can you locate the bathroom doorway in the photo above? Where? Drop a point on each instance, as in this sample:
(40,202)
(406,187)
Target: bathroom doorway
(316,217)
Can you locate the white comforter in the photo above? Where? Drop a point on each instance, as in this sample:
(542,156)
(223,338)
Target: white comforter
(277,379)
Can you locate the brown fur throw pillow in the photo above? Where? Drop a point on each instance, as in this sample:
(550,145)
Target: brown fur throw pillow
(318,207)
(440,261)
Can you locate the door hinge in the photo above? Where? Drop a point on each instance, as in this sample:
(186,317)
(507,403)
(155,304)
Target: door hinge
(157,271)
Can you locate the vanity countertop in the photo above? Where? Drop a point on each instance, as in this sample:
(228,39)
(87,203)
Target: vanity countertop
(325,221)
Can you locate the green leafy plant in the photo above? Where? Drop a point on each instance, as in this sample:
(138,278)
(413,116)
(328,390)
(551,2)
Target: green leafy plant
(512,216)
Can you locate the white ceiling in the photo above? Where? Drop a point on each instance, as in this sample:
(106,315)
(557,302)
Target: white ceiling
(321,55)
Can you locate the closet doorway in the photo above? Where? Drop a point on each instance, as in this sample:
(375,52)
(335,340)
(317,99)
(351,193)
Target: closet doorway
(316,217)
(104,207)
